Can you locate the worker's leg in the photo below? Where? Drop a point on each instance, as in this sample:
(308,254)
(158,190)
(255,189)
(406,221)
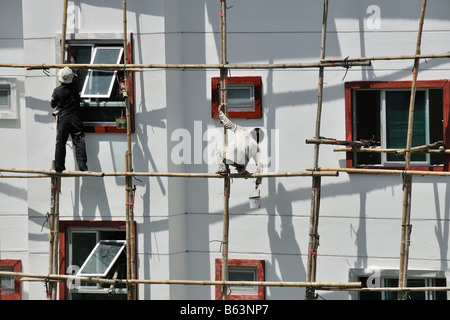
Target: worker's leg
(220,152)
(78,140)
(62,134)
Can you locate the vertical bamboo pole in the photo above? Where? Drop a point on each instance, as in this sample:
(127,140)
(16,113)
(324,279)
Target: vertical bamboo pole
(223,101)
(53,219)
(129,195)
(407,178)
(63,35)
(316,181)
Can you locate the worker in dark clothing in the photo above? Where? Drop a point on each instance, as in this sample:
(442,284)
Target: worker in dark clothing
(66,100)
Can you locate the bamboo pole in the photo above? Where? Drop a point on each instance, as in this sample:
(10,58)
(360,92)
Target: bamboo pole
(129,193)
(339,286)
(227,184)
(398,57)
(64,29)
(59,278)
(383,171)
(53,221)
(42,173)
(313,243)
(407,183)
(141,67)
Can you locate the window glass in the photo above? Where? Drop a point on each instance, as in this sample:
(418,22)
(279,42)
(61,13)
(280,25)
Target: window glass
(383,115)
(243,274)
(7,282)
(102,258)
(99,83)
(397,116)
(4,98)
(240,97)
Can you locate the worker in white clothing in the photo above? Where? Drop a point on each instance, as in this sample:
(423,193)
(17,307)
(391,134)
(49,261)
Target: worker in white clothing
(240,150)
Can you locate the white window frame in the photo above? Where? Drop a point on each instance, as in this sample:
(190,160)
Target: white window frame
(383,274)
(113,73)
(111,263)
(10,110)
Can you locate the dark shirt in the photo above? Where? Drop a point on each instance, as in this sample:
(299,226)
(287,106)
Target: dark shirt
(67,98)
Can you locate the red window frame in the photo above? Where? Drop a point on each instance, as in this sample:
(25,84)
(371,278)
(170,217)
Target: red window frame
(17,267)
(257,85)
(354,85)
(63,249)
(260,267)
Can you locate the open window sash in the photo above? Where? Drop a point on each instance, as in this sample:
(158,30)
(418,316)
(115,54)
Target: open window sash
(99,83)
(102,258)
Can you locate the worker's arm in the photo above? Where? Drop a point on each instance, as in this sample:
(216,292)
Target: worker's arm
(226,122)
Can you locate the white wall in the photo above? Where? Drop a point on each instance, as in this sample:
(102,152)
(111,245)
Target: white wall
(179,221)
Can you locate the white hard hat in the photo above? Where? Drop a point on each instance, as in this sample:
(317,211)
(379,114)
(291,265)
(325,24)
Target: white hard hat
(65,75)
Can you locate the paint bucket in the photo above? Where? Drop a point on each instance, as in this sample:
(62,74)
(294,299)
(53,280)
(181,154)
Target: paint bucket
(121,122)
(254,201)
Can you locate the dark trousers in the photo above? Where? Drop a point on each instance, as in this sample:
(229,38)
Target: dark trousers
(70,124)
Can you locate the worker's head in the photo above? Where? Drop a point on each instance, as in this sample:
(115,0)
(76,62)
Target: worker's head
(65,75)
(257,134)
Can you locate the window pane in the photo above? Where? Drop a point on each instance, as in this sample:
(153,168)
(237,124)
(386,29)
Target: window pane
(239,97)
(436,120)
(367,122)
(102,258)
(82,55)
(415,295)
(82,245)
(397,115)
(99,82)
(243,274)
(7,282)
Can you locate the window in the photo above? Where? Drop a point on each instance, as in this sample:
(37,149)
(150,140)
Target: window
(8,99)
(100,90)
(243,95)
(379,111)
(93,248)
(11,286)
(374,277)
(412,295)
(242,270)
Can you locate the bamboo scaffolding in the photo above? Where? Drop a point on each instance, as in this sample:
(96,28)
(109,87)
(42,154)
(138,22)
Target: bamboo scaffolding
(49,173)
(313,243)
(129,190)
(227,184)
(141,67)
(376,171)
(407,178)
(398,57)
(59,278)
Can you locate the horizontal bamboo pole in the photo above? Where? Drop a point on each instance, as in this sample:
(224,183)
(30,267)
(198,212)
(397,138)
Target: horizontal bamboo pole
(383,171)
(396,151)
(347,286)
(141,67)
(59,277)
(48,173)
(427,148)
(335,142)
(399,57)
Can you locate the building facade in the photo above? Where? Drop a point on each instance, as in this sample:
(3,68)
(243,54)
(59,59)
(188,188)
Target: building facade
(179,221)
